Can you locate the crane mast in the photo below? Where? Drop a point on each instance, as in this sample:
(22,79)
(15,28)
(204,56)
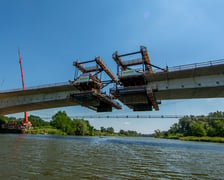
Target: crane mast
(25,123)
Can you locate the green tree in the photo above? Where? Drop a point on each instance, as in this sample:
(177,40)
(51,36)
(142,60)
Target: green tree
(219,127)
(61,121)
(3,120)
(185,126)
(12,119)
(197,129)
(110,130)
(90,128)
(132,133)
(175,128)
(122,131)
(216,115)
(80,127)
(103,129)
(211,131)
(211,125)
(36,121)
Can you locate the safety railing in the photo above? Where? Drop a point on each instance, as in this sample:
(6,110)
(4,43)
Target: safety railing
(192,66)
(37,87)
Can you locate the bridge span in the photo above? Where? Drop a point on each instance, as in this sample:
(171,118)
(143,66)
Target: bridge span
(145,89)
(52,96)
(205,80)
(35,98)
(200,80)
(140,90)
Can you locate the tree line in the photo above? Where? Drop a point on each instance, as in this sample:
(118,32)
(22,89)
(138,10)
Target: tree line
(61,121)
(211,126)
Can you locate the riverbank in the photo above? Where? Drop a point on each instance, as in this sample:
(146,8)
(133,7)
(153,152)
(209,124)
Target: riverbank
(203,139)
(196,128)
(46,130)
(195,138)
(49,130)
(52,131)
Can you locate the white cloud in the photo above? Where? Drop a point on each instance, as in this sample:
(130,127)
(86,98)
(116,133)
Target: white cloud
(127,123)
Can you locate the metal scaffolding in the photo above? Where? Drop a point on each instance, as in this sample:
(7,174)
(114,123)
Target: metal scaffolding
(131,75)
(90,84)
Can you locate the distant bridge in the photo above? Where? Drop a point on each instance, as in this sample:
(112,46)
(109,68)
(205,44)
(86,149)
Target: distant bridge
(142,92)
(128,116)
(95,116)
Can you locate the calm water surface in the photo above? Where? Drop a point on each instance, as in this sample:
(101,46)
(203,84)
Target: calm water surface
(53,157)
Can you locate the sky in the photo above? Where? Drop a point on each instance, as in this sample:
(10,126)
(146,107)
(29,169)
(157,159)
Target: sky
(51,34)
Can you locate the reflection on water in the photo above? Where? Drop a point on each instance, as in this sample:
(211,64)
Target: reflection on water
(53,157)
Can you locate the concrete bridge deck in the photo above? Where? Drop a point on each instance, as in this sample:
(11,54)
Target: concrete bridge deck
(204,80)
(52,96)
(200,82)
(42,97)
(181,82)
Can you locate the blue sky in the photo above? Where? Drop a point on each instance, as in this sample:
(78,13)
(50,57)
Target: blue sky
(53,33)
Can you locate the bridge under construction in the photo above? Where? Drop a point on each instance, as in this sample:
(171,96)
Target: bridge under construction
(138,84)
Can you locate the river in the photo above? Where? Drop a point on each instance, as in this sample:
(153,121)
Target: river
(57,157)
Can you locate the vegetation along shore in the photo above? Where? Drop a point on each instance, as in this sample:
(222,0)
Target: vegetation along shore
(62,124)
(196,128)
(189,128)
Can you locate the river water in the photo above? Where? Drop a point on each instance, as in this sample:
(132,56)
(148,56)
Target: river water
(54,157)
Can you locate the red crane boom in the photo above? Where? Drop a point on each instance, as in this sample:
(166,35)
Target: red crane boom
(25,122)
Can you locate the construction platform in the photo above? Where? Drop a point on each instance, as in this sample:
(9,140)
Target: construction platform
(90,85)
(198,80)
(133,90)
(96,101)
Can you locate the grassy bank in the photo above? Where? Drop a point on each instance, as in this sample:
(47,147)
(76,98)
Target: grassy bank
(194,138)
(53,131)
(203,139)
(45,130)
